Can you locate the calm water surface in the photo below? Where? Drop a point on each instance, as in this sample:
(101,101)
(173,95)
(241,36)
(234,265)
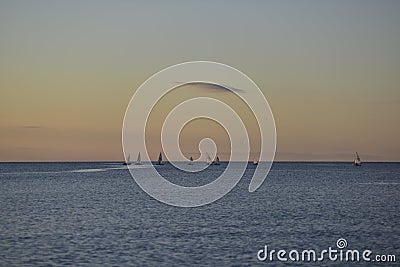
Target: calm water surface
(94,214)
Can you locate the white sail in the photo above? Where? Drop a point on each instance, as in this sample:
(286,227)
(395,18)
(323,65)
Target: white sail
(209,161)
(128,162)
(138,160)
(357,161)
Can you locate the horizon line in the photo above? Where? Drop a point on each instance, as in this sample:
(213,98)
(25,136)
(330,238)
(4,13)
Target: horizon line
(121,161)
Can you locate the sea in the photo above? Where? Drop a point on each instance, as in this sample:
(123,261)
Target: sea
(94,214)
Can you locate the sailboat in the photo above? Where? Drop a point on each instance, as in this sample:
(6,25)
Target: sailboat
(160,162)
(255,162)
(209,161)
(357,161)
(138,160)
(191,161)
(128,162)
(216,161)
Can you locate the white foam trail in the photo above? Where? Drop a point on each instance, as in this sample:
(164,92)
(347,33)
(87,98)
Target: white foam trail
(78,170)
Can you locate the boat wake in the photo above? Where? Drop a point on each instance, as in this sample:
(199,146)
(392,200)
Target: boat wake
(78,170)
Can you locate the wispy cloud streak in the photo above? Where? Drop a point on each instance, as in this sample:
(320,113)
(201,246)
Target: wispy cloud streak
(212,87)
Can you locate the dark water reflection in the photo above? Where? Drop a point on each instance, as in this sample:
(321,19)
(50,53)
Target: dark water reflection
(94,214)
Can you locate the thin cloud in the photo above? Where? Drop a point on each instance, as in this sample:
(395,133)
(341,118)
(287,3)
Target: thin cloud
(25,148)
(212,87)
(30,126)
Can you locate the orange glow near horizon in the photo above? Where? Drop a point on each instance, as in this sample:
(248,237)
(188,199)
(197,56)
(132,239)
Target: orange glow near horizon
(330,74)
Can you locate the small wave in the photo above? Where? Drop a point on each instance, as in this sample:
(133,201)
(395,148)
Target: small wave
(77,170)
(381,183)
(44,172)
(88,170)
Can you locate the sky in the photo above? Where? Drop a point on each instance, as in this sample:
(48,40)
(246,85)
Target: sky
(330,71)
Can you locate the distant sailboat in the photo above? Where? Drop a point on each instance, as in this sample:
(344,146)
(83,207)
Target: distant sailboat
(138,160)
(128,162)
(209,161)
(255,162)
(191,161)
(216,162)
(357,161)
(160,162)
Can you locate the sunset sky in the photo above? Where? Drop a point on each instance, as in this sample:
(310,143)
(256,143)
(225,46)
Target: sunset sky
(329,69)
